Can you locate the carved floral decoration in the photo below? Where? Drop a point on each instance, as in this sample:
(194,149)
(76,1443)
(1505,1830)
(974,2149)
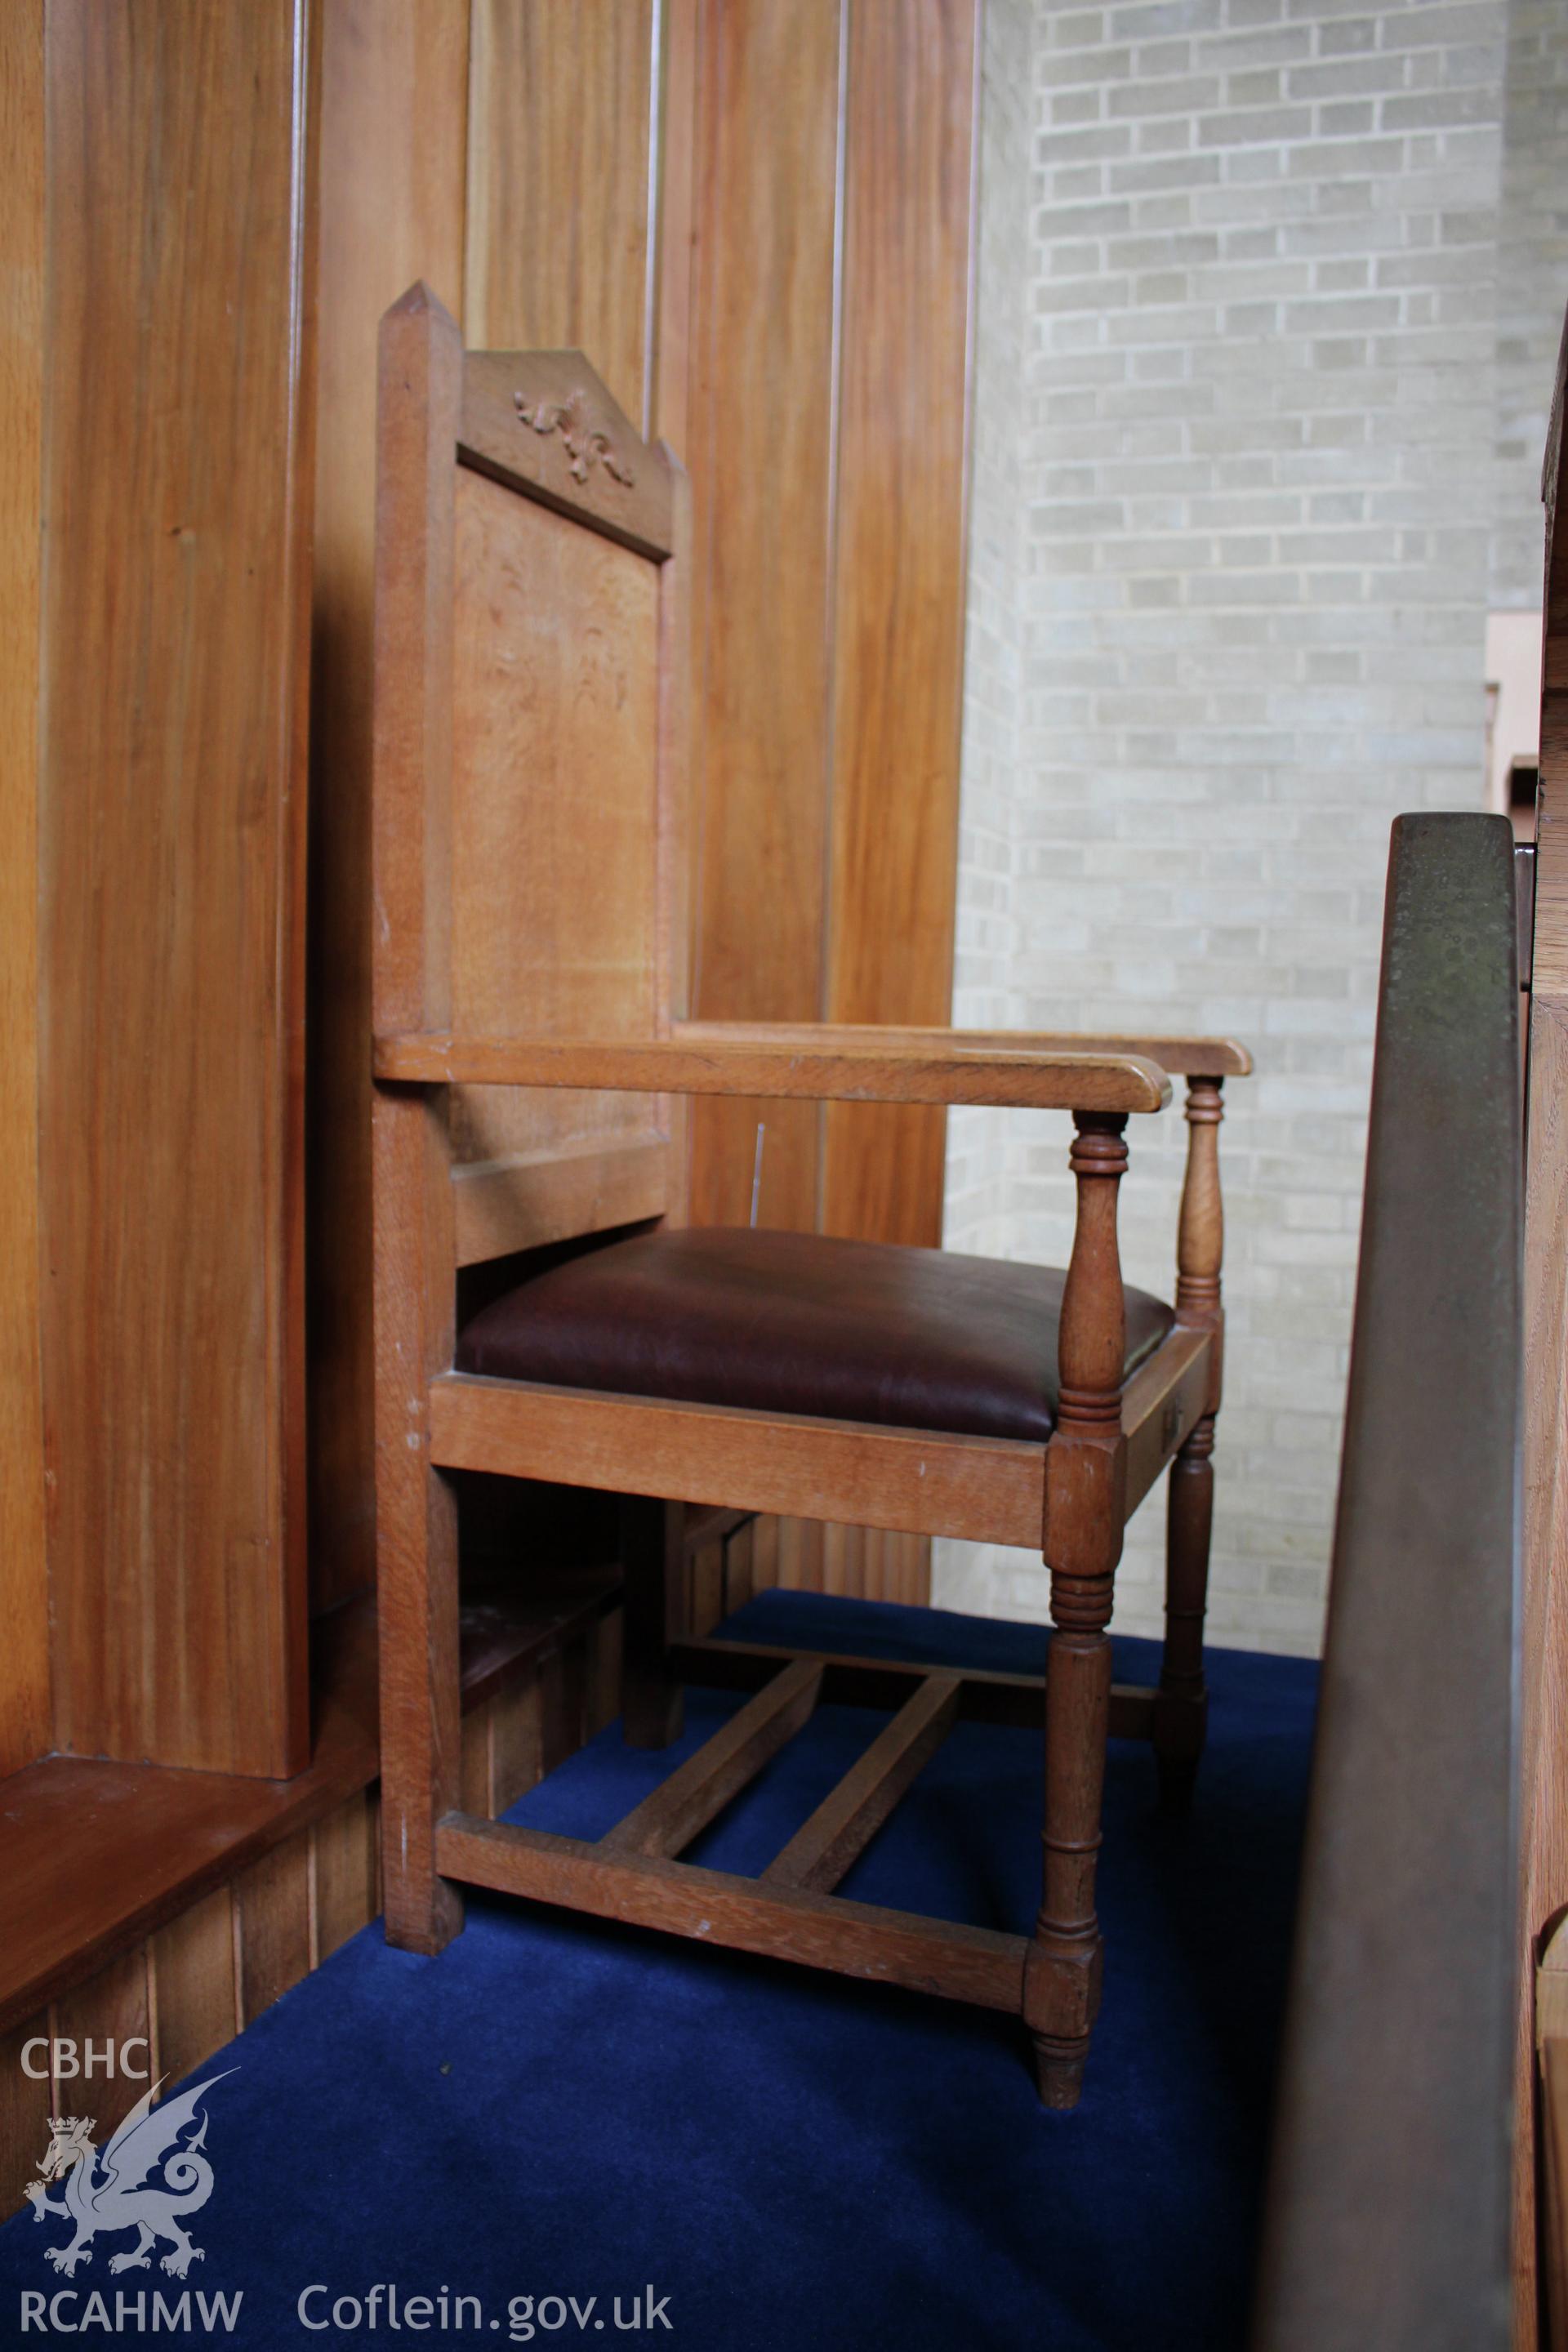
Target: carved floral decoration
(584,443)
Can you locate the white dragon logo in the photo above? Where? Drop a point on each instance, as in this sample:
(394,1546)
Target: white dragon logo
(105,2189)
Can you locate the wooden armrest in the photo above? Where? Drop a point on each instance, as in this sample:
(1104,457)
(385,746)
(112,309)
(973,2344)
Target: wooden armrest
(1208,1057)
(840,1069)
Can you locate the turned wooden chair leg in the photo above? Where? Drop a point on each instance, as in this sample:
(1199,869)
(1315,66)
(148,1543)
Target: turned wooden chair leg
(1085,1497)
(1181,1706)
(653,1562)
(1063,1971)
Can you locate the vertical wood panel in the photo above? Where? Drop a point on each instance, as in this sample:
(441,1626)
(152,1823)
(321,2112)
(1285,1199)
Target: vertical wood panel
(899,581)
(759,451)
(25,2106)
(475,1779)
(731,350)
(110,2008)
(562,1697)
(826,440)
(178,472)
(706,1573)
(843,1552)
(739,1553)
(344,1863)
(603,1672)
(272,1925)
(558,185)
(394,114)
(517,1738)
(191,1972)
(669,373)
(24,1730)
(800,1555)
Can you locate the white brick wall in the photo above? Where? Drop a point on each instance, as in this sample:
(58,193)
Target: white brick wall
(1533,269)
(1262,445)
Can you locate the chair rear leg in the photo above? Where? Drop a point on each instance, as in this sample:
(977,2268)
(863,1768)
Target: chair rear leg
(421,1704)
(1181,1705)
(653,1560)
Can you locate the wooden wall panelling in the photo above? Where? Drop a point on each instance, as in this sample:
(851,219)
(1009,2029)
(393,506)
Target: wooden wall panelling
(475,1781)
(707,1574)
(563,1698)
(898,586)
(272,1927)
(517,1737)
(764,1554)
(708,291)
(906,1574)
(112,2006)
(377,1900)
(509,167)
(826,439)
(738,1552)
(800,1549)
(843,1557)
(343,1862)
(193,1981)
(178,472)
(393,168)
(674,176)
(505,1739)
(25,1721)
(25,2106)
(603,1673)
(759,449)
(195,1987)
(814,1555)
(558,211)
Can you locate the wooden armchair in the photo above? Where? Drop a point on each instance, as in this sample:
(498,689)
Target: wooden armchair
(532,1062)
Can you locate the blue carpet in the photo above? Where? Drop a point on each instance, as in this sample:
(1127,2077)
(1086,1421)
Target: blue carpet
(557,2108)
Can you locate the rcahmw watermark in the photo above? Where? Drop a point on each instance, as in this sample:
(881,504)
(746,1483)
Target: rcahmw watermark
(527,2316)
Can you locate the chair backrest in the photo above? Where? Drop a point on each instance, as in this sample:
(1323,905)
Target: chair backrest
(529,750)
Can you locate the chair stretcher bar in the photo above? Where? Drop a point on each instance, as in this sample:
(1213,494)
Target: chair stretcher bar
(1016,1700)
(821,1931)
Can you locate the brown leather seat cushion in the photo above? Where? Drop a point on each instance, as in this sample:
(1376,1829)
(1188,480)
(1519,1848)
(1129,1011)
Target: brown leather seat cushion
(798,1323)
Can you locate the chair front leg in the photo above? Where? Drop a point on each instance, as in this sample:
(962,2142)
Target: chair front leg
(1085,1500)
(1181,1706)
